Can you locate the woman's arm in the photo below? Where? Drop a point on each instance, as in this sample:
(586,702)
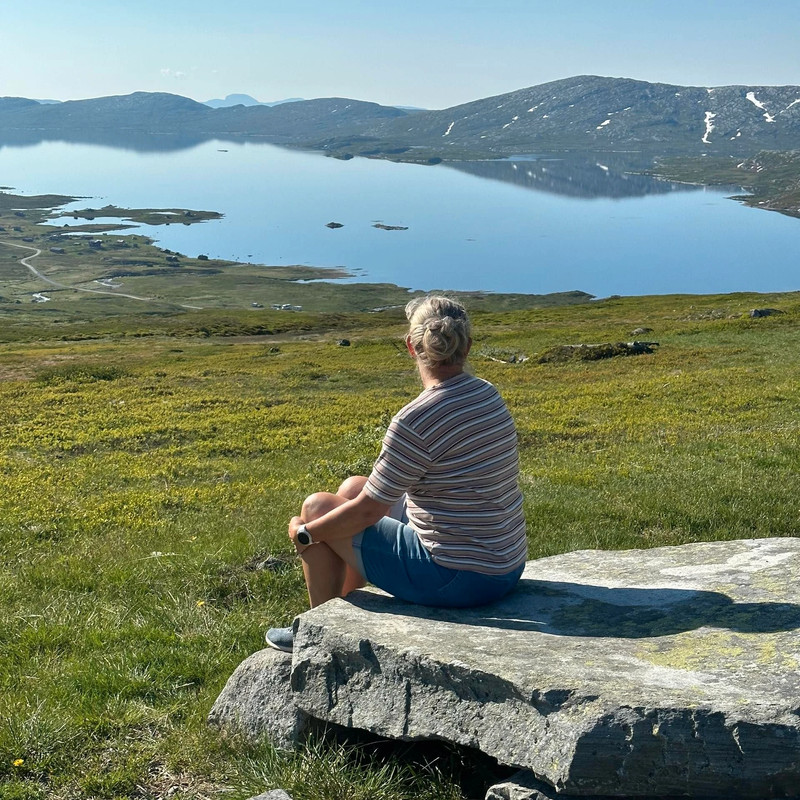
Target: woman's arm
(342,522)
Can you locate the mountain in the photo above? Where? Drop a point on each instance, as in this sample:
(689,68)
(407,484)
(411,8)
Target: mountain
(156,112)
(246,100)
(595,113)
(232,100)
(586,113)
(15,104)
(301,122)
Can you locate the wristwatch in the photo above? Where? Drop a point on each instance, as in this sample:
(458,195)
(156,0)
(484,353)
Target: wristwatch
(303,536)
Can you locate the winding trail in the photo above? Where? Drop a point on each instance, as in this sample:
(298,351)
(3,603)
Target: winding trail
(36,252)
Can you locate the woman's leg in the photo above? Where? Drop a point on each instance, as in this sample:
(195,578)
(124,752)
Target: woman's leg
(353,579)
(330,569)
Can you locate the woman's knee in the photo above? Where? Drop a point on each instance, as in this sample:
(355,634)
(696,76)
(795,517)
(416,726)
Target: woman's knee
(318,504)
(351,487)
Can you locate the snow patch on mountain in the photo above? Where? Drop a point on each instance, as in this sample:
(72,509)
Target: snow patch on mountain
(709,121)
(751,96)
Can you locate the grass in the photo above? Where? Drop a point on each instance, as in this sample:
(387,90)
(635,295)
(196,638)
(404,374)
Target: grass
(146,480)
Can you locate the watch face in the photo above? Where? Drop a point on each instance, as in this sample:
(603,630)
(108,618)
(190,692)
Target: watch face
(304,537)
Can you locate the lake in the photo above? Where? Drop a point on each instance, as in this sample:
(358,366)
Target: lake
(534,224)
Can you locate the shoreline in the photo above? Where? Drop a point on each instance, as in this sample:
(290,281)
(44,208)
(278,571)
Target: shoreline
(90,253)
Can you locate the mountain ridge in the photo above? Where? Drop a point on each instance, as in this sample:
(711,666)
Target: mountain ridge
(587,112)
(246,100)
(614,112)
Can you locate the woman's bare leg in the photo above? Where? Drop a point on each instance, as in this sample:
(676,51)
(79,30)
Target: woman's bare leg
(350,489)
(330,570)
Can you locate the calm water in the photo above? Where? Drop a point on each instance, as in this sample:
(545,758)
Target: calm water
(535,224)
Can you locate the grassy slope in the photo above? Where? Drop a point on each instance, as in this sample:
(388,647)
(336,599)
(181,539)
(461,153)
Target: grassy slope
(145,479)
(772,177)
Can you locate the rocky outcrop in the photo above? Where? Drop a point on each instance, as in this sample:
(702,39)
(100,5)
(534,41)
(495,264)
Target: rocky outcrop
(666,672)
(257,701)
(383,227)
(594,352)
(523,786)
(764,312)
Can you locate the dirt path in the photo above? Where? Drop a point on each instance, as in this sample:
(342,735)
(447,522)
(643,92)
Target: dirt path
(36,252)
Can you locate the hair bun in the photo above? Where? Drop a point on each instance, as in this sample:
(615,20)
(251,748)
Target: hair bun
(439,330)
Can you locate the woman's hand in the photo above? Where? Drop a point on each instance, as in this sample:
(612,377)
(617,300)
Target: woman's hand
(294,524)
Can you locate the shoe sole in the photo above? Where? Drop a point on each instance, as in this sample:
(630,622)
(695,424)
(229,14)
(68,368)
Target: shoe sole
(278,647)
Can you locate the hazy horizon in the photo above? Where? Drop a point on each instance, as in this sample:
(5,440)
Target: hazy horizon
(281,100)
(426,55)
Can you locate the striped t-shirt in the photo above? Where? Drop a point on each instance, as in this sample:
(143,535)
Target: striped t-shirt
(454,451)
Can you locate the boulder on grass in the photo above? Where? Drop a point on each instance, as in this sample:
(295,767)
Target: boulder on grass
(666,672)
(257,701)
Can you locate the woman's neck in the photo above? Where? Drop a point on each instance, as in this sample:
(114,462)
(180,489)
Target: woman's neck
(432,376)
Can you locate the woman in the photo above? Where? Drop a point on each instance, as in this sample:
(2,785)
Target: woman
(439,520)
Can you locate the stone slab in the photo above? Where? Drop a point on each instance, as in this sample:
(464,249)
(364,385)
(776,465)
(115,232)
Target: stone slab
(523,785)
(665,672)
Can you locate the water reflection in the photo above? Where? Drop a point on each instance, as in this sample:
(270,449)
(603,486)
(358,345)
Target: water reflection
(136,141)
(581,175)
(576,175)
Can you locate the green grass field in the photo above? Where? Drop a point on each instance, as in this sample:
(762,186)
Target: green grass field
(147,479)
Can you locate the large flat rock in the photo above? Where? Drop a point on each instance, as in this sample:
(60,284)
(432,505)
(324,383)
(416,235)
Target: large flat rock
(671,671)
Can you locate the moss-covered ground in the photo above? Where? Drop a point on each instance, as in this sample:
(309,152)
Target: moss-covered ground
(147,481)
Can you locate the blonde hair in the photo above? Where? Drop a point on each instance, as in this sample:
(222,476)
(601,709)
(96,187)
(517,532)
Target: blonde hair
(439,330)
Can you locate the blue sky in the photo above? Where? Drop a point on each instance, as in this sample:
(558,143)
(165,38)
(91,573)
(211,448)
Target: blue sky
(431,54)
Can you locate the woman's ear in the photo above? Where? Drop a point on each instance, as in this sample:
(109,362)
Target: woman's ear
(469,346)
(410,347)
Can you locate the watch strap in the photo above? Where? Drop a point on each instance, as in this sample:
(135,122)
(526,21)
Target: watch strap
(303,536)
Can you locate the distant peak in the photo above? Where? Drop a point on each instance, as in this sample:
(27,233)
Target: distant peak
(246,100)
